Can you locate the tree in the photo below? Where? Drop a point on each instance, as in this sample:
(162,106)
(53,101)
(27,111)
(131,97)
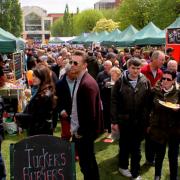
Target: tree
(11,16)
(141,12)
(5,14)
(67,22)
(16,18)
(86,20)
(169,11)
(64,25)
(110,13)
(105,25)
(137,12)
(57,28)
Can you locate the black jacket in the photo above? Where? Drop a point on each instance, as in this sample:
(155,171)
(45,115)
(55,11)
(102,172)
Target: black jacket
(37,116)
(164,122)
(129,106)
(64,96)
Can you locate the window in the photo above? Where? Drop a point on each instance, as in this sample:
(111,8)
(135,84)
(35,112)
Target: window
(32,22)
(47,25)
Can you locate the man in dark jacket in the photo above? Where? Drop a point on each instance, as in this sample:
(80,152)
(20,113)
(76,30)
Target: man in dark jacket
(56,68)
(130,111)
(85,116)
(102,83)
(93,67)
(153,73)
(64,89)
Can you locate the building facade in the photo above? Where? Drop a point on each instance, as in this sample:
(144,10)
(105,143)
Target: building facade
(107,4)
(55,16)
(36,24)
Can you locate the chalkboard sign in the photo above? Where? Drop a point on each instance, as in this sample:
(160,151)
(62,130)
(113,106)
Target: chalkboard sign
(17,61)
(173,36)
(42,157)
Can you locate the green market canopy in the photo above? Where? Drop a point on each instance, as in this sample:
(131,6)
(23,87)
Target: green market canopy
(112,36)
(55,40)
(80,39)
(9,43)
(175,24)
(92,37)
(101,36)
(125,36)
(149,35)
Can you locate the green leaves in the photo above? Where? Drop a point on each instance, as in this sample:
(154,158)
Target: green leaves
(86,21)
(141,12)
(11,16)
(136,12)
(105,25)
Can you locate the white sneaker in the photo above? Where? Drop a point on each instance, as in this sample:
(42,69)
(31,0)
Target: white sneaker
(138,178)
(125,172)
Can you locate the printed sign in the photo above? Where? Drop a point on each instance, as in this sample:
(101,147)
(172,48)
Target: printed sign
(17,61)
(173,36)
(42,157)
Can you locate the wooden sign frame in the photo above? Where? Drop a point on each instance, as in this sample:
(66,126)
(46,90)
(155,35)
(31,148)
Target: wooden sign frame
(16,67)
(42,157)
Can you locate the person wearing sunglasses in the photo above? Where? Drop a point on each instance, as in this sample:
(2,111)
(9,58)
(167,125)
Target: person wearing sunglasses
(85,115)
(164,123)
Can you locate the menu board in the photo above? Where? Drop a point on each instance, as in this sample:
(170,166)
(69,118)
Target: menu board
(17,61)
(173,36)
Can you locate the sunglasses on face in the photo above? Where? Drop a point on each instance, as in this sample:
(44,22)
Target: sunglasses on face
(168,79)
(73,62)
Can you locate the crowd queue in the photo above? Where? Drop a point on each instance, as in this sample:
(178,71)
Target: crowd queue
(102,89)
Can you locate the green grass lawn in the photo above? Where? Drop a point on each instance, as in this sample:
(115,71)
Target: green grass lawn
(106,154)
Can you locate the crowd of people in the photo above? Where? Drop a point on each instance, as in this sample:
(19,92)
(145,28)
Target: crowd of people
(92,91)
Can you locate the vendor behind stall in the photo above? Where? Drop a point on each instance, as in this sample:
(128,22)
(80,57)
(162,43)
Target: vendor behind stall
(2,76)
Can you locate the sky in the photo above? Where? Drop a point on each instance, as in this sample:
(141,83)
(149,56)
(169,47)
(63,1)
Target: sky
(58,6)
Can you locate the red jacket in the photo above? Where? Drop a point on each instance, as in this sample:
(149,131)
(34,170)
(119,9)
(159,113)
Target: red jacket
(148,73)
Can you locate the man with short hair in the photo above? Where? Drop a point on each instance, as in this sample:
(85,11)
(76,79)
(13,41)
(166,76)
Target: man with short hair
(153,73)
(169,52)
(137,52)
(111,57)
(129,109)
(102,81)
(57,67)
(85,115)
(93,67)
(64,90)
(152,70)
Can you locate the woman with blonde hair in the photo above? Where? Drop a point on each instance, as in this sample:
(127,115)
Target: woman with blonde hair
(115,74)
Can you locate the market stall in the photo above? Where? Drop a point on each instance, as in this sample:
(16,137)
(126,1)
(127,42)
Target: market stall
(12,91)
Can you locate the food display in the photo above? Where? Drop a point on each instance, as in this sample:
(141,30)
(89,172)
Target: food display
(169,104)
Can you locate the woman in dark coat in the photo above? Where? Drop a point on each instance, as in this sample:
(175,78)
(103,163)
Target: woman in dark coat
(164,123)
(37,116)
